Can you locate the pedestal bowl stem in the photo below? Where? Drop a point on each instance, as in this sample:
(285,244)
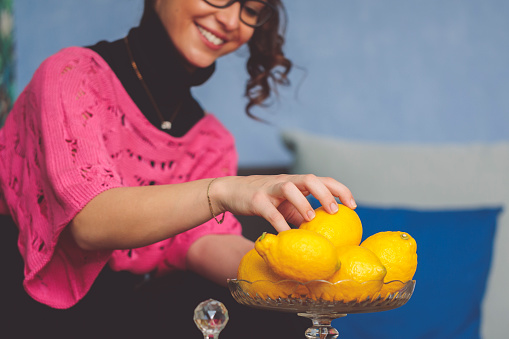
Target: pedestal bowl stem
(322,328)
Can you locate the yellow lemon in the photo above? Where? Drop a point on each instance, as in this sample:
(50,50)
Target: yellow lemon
(262,279)
(342,228)
(398,253)
(360,277)
(252,267)
(298,254)
(358,263)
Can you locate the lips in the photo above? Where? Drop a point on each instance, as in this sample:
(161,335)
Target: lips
(211,37)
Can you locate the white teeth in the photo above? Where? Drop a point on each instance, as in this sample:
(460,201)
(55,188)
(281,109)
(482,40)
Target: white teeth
(211,37)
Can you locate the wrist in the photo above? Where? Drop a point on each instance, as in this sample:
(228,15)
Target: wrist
(217,211)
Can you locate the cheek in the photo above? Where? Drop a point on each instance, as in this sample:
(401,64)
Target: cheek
(245,34)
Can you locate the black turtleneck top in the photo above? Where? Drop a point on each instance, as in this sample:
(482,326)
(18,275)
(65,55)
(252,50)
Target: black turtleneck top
(163,71)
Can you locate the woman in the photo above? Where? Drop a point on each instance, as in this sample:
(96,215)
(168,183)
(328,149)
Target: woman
(110,166)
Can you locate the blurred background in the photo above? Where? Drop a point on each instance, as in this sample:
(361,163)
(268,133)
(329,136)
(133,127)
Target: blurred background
(395,70)
(398,72)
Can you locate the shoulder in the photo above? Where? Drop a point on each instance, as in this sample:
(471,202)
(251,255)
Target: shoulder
(70,73)
(70,58)
(71,64)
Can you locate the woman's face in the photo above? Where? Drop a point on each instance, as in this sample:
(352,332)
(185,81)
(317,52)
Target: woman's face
(200,32)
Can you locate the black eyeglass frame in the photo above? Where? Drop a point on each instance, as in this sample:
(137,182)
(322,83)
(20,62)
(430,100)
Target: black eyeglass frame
(242,3)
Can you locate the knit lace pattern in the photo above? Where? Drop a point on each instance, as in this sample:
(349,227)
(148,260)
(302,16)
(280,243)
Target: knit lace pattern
(74,133)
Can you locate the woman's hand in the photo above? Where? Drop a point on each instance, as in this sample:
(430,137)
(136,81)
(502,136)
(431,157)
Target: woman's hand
(278,198)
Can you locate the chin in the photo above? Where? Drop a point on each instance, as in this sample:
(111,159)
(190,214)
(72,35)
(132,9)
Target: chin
(199,59)
(200,63)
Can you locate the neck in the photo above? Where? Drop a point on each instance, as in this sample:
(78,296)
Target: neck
(158,58)
(164,72)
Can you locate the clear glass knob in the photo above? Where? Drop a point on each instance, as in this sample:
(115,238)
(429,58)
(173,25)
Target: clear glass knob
(211,317)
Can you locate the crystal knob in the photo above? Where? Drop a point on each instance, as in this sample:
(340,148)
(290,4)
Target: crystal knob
(210,316)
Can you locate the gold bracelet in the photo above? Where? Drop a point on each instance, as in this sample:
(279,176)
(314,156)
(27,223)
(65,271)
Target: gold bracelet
(210,204)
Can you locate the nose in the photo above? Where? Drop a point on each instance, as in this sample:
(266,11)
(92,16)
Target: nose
(229,16)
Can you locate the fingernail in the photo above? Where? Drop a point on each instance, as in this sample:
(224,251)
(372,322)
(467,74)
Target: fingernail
(311,215)
(352,202)
(334,207)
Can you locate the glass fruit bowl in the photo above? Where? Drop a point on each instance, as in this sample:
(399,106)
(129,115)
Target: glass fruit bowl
(320,300)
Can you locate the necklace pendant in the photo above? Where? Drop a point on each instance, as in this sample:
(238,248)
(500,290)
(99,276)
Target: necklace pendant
(166,125)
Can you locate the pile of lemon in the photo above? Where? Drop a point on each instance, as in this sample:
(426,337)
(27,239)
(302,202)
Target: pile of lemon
(297,261)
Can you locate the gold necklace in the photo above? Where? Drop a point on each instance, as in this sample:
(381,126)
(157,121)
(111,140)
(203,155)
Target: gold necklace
(165,124)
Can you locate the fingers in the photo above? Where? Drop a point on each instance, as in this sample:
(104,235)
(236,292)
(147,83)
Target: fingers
(277,198)
(293,190)
(339,190)
(321,190)
(291,215)
(270,213)
(297,198)
(326,190)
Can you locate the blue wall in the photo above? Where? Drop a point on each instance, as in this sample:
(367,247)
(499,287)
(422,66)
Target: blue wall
(395,70)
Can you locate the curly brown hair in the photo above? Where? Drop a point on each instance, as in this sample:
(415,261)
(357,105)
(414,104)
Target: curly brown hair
(267,65)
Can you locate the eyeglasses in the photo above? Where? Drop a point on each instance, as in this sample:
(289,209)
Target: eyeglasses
(253,13)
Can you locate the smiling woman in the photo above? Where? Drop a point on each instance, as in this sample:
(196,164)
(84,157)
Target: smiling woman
(123,188)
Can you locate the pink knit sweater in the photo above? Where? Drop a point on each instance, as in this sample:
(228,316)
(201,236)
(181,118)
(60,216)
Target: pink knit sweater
(73,133)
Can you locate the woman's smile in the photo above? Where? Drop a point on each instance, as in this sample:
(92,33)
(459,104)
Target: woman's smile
(200,32)
(211,39)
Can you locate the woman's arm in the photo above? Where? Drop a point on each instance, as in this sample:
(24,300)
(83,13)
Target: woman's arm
(217,257)
(130,217)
